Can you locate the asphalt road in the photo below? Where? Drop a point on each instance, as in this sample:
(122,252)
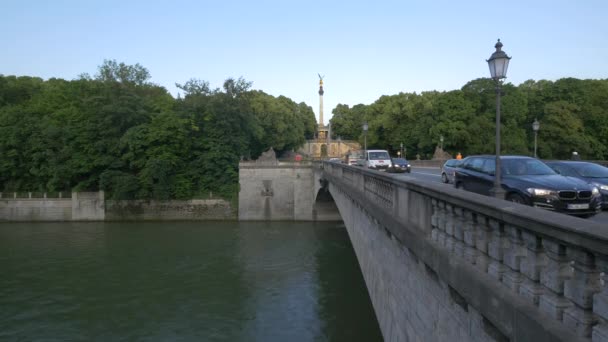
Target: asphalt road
(434,175)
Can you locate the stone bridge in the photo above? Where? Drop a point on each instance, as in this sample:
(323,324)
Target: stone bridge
(441,264)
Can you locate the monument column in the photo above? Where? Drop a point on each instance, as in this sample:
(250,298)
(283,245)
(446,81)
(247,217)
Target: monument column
(321,101)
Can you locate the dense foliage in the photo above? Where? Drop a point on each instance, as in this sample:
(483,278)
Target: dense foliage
(118,132)
(573,116)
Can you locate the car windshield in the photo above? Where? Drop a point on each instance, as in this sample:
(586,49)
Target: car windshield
(399,161)
(528,167)
(453,162)
(378,155)
(591,170)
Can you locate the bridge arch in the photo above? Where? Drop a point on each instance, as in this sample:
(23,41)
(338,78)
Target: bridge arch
(324,207)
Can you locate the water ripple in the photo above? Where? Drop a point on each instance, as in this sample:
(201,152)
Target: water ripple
(181,281)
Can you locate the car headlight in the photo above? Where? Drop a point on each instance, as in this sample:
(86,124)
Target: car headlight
(541,192)
(601,186)
(408,165)
(595,191)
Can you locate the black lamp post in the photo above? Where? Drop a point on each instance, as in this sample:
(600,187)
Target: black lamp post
(365,128)
(535,128)
(498,63)
(401,145)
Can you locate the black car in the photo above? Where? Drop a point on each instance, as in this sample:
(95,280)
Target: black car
(529,181)
(592,173)
(400,165)
(448,169)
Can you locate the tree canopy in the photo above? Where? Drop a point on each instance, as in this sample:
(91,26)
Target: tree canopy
(573,116)
(120,133)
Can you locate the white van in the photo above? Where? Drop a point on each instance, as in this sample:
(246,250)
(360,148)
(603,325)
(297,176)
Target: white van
(378,160)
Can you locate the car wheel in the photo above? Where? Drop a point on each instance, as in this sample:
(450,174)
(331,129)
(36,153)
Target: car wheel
(516,199)
(444,178)
(458,185)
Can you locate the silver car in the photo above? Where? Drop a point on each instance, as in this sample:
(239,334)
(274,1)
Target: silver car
(448,169)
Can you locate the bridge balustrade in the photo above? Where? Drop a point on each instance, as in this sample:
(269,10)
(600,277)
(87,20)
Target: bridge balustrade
(555,263)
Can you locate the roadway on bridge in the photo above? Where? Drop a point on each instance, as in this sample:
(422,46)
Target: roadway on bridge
(433,174)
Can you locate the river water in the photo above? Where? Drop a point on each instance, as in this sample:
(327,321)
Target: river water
(210,281)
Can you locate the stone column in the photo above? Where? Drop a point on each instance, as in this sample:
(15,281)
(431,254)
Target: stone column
(321,92)
(434,219)
(482,231)
(585,282)
(600,303)
(441,235)
(468,235)
(531,266)
(554,276)
(496,247)
(458,231)
(449,227)
(513,255)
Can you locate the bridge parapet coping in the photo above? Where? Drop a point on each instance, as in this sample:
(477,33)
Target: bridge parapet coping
(552,263)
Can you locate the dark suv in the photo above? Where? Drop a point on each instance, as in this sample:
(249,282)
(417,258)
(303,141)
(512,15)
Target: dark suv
(592,173)
(529,181)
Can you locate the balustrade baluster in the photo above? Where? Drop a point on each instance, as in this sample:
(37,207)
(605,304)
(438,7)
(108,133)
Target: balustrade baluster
(434,229)
(496,248)
(441,235)
(513,255)
(553,277)
(600,302)
(580,288)
(531,267)
(482,237)
(449,227)
(457,231)
(468,233)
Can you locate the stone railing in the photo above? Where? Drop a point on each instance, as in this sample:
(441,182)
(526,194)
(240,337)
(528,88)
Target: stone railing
(547,267)
(55,206)
(35,195)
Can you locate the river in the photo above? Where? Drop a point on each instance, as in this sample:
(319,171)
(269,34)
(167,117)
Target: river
(193,281)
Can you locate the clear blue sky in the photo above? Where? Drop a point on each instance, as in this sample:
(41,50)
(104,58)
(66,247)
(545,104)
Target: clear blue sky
(364,49)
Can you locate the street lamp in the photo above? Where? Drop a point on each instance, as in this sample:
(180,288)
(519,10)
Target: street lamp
(365,128)
(535,128)
(498,63)
(401,145)
(441,140)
